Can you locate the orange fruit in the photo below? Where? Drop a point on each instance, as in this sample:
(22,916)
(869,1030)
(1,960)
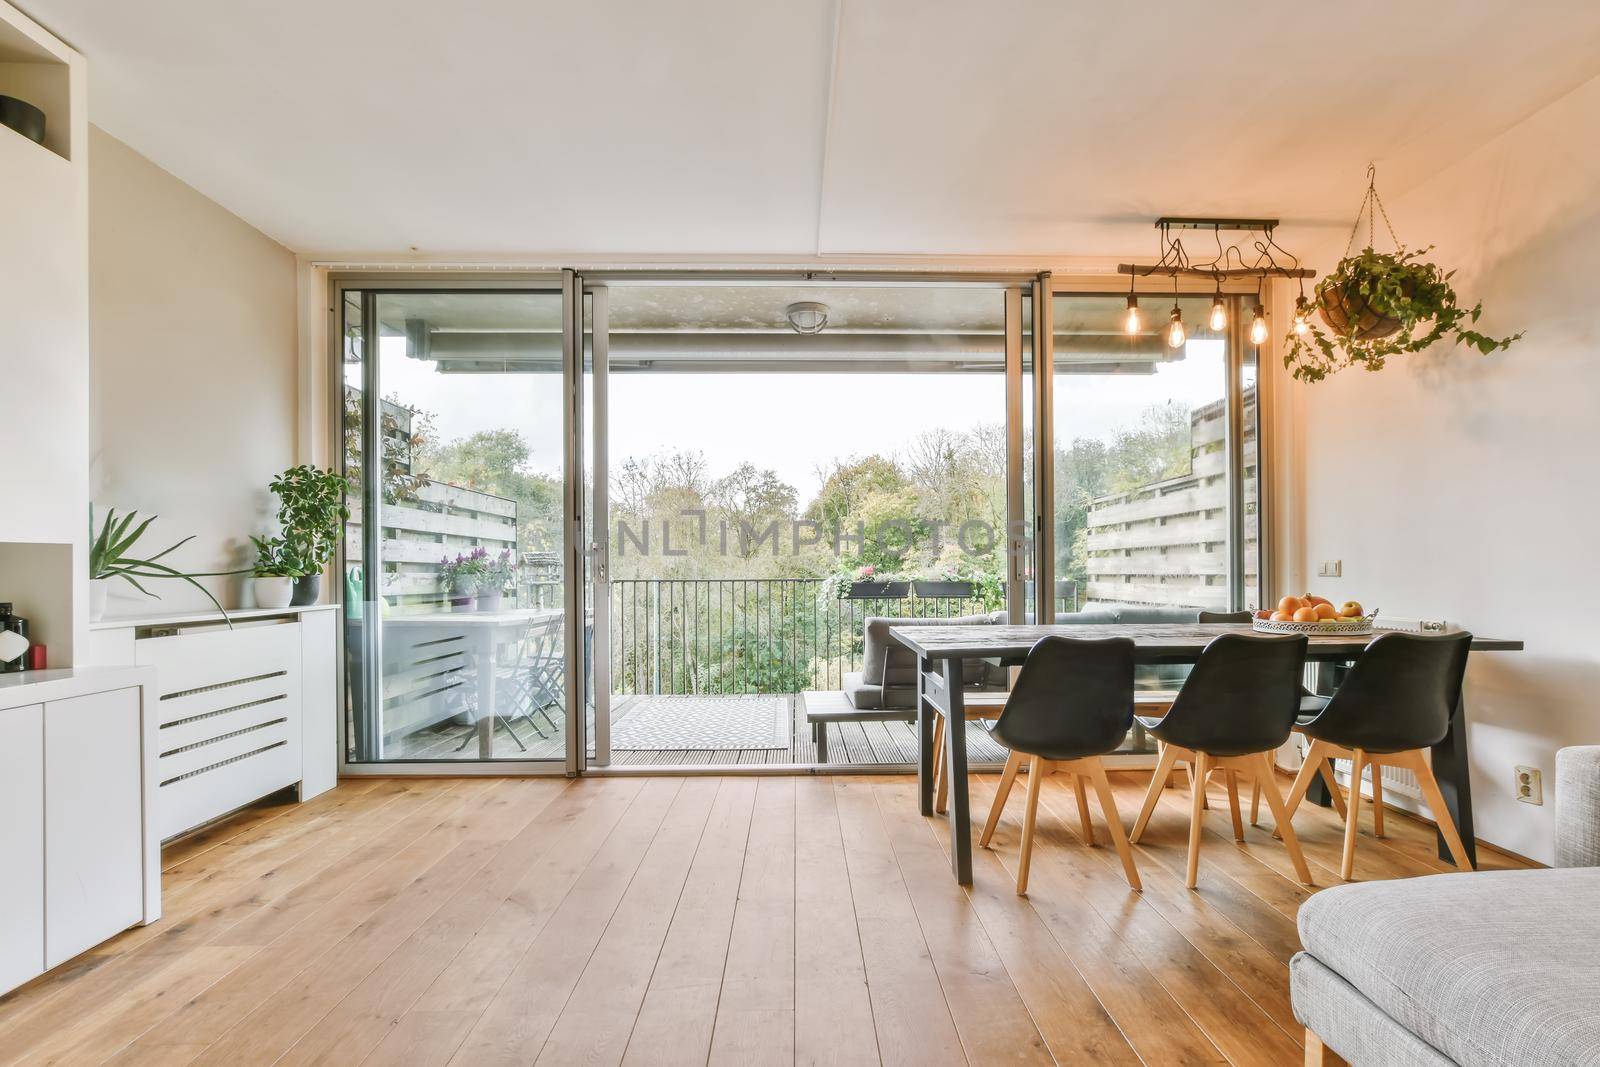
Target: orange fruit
(1324,610)
(1307,614)
(1282,616)
(1290,604)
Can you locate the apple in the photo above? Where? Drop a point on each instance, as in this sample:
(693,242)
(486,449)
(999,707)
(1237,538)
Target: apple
(1351,609)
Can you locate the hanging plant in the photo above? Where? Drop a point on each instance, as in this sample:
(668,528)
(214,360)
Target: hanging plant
(1379,304)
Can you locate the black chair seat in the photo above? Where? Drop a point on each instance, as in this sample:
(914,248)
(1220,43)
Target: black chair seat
(1398,696)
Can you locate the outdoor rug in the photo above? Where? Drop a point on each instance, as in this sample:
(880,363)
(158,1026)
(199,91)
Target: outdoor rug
(691,722)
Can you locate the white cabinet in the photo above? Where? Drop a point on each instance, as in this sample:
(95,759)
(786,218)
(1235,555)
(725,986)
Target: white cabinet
(22,846)
(79,857)
(93,884)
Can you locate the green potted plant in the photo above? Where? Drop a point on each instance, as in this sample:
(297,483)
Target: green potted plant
(498,572)
(311,513)
(111,556)
(274,575)
(460,577)
(1379,304)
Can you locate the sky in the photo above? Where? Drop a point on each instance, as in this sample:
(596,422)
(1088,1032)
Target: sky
(791,423)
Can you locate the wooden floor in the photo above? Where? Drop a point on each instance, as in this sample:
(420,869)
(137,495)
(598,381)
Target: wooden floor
(691,920)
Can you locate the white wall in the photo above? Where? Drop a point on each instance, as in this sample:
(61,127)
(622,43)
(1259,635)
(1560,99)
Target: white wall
(44,363)
(1461,486)
(194,344)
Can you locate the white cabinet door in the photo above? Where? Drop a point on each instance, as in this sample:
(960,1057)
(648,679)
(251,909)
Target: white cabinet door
(92,846)
(22,846)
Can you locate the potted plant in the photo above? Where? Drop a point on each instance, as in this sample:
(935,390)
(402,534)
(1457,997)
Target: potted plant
(273,583)
(111,557)
(311,511)
(1379,304)
(460,577)
(868,584)
(498,572)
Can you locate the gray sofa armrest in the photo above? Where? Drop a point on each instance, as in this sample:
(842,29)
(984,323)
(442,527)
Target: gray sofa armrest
(1578,806)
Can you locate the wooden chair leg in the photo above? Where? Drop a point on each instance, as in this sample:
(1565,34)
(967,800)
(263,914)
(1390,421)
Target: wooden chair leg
(940,798)
(1441,814)
(1197,817)
(1029,817)
(1007,778)
(1255,802)
(1377,799)
(1352,820)
(1232,779)
(1169,756)
(1320,1055)
(1316,763)
(1080,787)
(1269,789)
(1108,808)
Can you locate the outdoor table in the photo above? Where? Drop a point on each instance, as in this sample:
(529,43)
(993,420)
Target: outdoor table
(486,633)
(941,649)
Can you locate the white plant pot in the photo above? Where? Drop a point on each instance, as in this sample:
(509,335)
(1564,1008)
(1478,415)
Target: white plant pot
(273,592)
(99,590)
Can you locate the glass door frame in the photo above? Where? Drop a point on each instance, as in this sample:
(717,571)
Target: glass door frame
(584,318)
(594,286)
(1045,291)
(372,285)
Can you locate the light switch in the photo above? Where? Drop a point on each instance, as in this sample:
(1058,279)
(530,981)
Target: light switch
(1330,568)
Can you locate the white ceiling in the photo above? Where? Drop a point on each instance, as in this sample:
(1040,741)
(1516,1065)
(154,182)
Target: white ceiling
(796,127)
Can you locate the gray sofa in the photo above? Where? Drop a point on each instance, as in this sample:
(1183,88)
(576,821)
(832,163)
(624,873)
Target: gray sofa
(1497,967)
(888,675)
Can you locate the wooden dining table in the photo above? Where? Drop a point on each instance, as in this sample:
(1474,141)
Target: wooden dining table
(941,650)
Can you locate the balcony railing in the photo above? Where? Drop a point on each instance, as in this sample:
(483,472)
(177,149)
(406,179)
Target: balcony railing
(734,636)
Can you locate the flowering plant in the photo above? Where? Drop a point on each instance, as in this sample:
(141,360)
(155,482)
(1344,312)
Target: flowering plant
(463,574)
(497,572)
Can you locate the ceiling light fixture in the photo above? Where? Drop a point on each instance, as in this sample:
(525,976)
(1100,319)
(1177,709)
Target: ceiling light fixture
(1230,263)
(807,316)
(1130,324)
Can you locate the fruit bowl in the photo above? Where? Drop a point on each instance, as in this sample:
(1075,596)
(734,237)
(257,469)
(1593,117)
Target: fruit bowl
(1338,627)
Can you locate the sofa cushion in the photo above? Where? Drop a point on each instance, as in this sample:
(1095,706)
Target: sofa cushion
(1496,967)
(886,661)
(1349,1023)
(862,695)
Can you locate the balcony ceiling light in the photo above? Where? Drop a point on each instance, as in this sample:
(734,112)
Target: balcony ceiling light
(807,316)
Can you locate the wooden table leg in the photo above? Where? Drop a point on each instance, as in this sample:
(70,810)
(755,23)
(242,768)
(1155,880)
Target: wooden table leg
(1450,767)
(955,763)
(924,743)
(1327,681)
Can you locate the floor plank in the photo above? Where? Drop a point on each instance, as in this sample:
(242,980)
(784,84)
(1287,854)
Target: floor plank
(687,920)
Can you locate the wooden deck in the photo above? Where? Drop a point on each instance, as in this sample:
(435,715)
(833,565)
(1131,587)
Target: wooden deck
(849,744)
(677,920)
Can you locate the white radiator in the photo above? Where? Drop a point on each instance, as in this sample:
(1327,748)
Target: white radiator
(229,713)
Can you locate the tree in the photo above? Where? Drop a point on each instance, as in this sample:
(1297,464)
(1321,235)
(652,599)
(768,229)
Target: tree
(498,462)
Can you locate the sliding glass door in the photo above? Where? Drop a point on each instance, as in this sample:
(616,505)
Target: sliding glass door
(644,521)
(458,421)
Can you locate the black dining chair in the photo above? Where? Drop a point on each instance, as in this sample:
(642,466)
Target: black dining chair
(1072,703)
(1395,703)
(1237,706)
(1153,708)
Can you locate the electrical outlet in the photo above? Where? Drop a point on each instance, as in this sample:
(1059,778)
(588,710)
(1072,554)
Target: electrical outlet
(1331,568)
(1529,785)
